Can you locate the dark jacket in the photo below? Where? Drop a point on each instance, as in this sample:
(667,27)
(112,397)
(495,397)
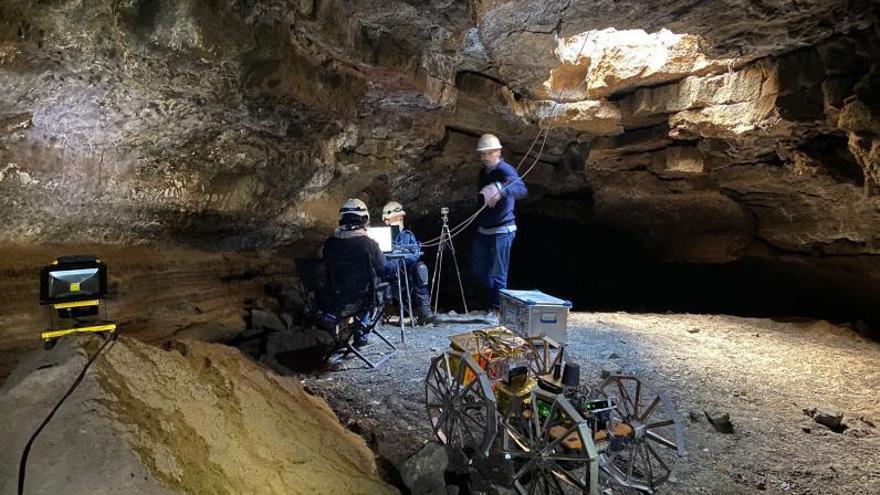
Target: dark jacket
(353,247)
(513,188)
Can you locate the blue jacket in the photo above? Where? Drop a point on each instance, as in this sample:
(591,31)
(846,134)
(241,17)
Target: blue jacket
(406,242)
(513,188)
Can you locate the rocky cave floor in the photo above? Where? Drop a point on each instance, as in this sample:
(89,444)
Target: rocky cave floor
(764,373)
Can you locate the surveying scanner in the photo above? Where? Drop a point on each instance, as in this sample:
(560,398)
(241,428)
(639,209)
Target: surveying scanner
(445,243)
(72,288)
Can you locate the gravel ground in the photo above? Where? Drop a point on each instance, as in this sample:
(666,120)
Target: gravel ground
(762,372)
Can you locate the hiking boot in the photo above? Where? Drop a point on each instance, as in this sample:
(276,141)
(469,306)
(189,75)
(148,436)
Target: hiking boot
(360,340)
(425,319)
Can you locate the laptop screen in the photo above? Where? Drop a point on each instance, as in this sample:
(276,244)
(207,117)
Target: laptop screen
(383,237)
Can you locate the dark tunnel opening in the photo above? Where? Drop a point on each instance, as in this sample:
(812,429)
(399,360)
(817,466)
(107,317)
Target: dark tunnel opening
(602,268)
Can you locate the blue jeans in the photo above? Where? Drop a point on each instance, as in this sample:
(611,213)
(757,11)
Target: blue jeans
(490,259)
(420,297)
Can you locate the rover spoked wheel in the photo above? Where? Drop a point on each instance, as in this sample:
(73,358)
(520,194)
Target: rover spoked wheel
(643,458)
(461,406)
(544,354)
(550,447)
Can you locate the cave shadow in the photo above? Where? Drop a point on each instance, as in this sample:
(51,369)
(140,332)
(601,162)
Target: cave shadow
(600,268)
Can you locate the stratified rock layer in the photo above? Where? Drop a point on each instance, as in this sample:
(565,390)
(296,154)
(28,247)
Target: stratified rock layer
(194,418)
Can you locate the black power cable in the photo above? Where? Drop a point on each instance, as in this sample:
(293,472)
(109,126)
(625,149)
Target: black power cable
(22,465)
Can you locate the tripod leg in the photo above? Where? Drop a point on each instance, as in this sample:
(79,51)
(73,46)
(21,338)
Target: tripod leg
(458,275)
(438,272)
(435,279)
(408,294)
(400,302)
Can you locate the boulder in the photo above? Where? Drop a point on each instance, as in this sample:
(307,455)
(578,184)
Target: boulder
(831,418)
(425,471)
(196,418)
(720,421)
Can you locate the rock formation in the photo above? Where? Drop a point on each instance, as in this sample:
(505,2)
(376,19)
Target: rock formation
(710,132)
(187,418)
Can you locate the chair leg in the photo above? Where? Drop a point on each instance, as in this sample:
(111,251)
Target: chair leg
(372,329)
(384,339)
(366,360)
(350,349)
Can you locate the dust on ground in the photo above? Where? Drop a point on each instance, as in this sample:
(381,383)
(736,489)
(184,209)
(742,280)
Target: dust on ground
(762,372)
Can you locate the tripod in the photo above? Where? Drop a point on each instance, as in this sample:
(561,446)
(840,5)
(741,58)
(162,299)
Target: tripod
(445,244)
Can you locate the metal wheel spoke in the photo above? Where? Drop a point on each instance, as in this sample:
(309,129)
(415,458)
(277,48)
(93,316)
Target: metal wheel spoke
(467,388)
(644,453)
(556,483)
(651,408)
(554,413)
(568,477)
(638,396)
(651,435)
(524,469)
(464,427)
(441,417)
(441,422)
(624,399)
(520,441)
(456,425)
(435,388)
(546,477)
(657,456)
(534,426)
(458,382)
(566,458)
(533,485)
(659,424)
(473,420)
(629,473)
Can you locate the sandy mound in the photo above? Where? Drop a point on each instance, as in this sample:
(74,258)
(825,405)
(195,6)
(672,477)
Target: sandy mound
(195,418)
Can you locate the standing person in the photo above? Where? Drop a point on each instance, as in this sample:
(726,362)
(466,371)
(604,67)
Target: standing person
(406,243)
(499,186)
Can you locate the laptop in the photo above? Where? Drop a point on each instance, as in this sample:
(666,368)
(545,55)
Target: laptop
(384,237)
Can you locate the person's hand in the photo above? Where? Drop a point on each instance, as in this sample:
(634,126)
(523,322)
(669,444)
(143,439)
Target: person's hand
(491,194)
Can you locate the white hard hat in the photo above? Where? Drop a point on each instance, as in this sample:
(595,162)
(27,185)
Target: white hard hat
(355,206)
(392,209)
(488,142)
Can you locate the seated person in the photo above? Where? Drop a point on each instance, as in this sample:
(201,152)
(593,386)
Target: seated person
(350,240)
(406,242)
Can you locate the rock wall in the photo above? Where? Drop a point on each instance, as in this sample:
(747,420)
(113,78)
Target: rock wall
(155,294)
(710,131)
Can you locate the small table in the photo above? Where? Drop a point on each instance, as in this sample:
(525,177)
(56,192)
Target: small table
(400,261)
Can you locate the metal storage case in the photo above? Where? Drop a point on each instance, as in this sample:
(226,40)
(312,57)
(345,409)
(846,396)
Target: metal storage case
(533,313)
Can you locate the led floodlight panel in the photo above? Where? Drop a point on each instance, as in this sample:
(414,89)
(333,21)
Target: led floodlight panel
(71,279)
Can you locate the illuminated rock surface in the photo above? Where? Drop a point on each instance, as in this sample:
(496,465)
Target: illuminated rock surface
(190,418)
